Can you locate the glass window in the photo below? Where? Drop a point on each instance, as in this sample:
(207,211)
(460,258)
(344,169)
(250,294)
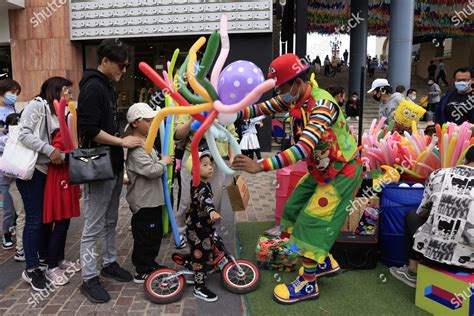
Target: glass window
(5,62)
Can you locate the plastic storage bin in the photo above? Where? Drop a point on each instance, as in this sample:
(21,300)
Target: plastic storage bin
(395,203)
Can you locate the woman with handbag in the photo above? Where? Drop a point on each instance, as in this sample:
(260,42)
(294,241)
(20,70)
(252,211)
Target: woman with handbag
(37,122)
(9,90)
(61,198)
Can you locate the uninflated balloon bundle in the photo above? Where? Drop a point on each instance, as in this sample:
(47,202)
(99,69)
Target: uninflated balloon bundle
(416,155)
(275,254)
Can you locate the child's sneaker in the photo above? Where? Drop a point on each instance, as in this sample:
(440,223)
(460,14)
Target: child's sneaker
(69,266)
(182,242)
(140,278)
(296,291)
(204,294)
(19,256)
(7,242)
(57,276)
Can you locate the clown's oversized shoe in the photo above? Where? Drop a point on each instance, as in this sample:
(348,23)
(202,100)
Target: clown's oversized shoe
(296,291)
(328,268)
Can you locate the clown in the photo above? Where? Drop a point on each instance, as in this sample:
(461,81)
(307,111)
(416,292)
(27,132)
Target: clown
(316,210)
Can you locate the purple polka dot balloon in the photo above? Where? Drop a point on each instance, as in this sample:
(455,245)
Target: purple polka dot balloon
(237,80)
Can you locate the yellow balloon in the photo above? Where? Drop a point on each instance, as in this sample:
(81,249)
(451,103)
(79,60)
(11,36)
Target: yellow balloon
(314,83)
(72,109)
(191,70)
(390,175)
(175,110)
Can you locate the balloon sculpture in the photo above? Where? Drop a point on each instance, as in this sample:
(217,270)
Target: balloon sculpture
(228,92)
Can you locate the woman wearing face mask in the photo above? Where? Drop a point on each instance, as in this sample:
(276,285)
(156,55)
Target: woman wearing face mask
(411,95)
(352,106)
(458,105)
(38,121)
(382,92)
(9,90)
(61,200)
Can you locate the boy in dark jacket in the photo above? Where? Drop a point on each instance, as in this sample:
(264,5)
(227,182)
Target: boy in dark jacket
(98,125)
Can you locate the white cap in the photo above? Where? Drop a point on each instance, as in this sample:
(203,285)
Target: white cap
(139,111)
(378,83)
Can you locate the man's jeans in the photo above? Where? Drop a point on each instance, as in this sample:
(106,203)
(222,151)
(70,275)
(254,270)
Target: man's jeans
(101,204)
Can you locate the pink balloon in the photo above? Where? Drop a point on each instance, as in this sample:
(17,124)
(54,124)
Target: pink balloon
(225,48)
(247,100)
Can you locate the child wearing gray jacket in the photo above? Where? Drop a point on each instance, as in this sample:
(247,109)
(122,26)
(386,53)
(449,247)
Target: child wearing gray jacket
(145,194)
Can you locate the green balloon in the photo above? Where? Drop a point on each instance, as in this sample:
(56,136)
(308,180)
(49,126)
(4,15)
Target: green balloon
(206,63)
(183,86)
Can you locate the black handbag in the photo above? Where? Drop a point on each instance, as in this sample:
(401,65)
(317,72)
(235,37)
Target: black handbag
(88,165)
(355,251)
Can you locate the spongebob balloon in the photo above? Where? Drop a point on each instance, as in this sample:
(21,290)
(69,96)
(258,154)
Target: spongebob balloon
(406,112)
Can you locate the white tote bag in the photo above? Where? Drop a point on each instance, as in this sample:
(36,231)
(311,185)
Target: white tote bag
(17,161)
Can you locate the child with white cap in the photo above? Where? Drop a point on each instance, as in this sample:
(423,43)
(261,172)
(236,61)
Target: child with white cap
(145,193)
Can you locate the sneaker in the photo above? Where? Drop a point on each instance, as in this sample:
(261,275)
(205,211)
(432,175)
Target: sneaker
(19,256)
(43,264)
(69,266)
(7,242)
(328,268)
(57,276)
(182,242)
(94,291)
(140,278)
(298,290)
(403,274)
(204,294)
(114,271)
(36,279)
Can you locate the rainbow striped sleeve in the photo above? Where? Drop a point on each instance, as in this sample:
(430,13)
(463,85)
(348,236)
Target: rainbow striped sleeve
(322,117)
(269,107)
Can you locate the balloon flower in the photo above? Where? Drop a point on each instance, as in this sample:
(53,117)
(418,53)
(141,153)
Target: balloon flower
(227,92)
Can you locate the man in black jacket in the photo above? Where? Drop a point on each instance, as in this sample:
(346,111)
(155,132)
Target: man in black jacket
(98,125)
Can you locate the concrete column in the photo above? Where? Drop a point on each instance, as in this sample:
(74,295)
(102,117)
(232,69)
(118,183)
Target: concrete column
(401,39)
(358,44)
(301,27)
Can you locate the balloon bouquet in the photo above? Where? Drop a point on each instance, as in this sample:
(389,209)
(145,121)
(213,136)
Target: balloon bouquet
(229,91)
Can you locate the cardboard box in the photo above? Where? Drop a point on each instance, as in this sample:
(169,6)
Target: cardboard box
(358,207)
(239,194)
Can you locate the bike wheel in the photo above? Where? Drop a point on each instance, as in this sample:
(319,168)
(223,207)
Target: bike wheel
(161,291)
(243,283)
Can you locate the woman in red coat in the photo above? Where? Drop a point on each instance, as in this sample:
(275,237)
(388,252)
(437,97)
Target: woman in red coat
(61,200)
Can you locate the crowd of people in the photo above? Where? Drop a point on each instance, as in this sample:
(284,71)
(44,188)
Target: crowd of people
(323,140)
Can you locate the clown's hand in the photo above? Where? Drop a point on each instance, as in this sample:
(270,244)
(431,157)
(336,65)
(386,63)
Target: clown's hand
(244,163)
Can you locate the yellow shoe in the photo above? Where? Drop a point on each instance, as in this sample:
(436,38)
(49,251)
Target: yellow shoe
(328,268)
(296,291)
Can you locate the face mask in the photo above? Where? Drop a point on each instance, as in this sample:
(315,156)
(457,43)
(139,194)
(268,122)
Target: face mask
(354,98)
(412,97)
(377,97)
(9,99)
(461,86)
(288,98)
